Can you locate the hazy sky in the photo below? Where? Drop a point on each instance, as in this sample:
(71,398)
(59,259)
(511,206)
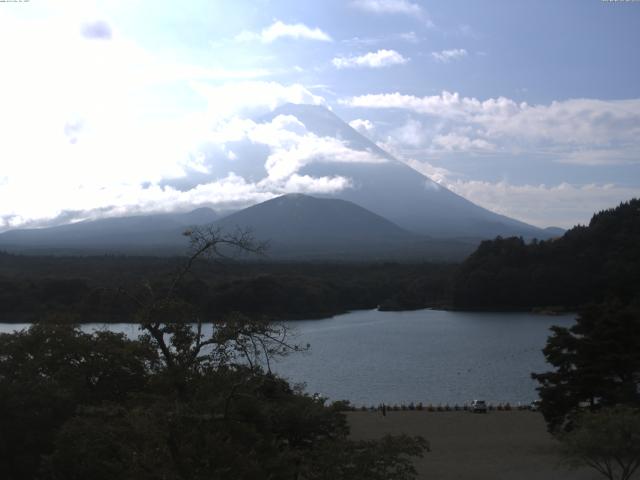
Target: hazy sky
(531,109)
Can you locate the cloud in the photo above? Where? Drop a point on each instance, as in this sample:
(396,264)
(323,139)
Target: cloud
(291,146)
(99,30)
(91,180)
(279,30)
(585,131)
(561,205)
(364,127)
(410,37)
(453,142)
(113,144)
(252,98)
(445,56)
(381,58)
(388,6)
(438,174)
(399,7)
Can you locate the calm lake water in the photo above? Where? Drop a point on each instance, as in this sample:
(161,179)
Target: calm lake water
(428,356)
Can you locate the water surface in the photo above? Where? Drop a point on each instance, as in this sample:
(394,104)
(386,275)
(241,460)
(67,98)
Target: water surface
(428,356)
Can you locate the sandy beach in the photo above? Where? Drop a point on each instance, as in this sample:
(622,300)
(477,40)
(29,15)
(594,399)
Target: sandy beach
(498,445)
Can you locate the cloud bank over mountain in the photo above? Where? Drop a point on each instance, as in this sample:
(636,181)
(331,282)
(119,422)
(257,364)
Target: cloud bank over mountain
(120,108)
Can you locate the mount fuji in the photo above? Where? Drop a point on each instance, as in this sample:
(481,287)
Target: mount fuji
(393,206)
(396,191)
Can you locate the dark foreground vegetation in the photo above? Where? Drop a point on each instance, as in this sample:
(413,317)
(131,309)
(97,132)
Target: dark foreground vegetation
(174,404)
(591,398)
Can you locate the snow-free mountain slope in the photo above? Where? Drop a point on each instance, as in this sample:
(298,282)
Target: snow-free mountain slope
(398,192)
(302,219)
(299,226)
(111,234)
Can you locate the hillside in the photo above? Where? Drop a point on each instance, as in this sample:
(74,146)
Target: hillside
(148,234)
(587,264)
(396,191)
(299,226)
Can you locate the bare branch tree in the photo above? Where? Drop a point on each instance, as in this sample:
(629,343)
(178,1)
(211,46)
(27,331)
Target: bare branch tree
(176,328)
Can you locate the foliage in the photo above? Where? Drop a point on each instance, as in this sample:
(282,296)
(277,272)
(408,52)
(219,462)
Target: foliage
(34,288)
(177,403)
(588,264)
(607,440)
(47,372)
(597,363)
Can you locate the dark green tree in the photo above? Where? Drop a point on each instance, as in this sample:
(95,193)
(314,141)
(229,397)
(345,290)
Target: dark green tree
(597,364)
(47,372)
(607,441)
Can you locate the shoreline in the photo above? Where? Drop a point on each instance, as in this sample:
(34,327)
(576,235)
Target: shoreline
(30,318)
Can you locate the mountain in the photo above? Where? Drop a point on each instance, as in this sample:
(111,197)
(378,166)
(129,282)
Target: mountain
(301,226)
(396,191)
(302,219)
(141,233)
(295,226)
(555,231)
(388,208)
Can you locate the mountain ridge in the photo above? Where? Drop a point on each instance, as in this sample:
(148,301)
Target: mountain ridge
(398,192)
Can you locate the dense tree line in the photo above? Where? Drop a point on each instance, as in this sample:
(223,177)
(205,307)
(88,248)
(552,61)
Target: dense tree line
(596,364)
(588,264)
(91,287)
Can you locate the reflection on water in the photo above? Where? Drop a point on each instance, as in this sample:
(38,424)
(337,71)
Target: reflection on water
(427,356)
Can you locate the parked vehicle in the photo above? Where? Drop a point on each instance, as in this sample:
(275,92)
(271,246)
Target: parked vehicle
(479,406)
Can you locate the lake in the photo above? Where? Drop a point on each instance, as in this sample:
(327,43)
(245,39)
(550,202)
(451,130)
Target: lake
(428,356)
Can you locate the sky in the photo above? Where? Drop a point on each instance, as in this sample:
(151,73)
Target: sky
(529,109)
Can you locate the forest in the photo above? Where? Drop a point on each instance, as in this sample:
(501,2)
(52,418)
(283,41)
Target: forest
(589,264)
(90,288)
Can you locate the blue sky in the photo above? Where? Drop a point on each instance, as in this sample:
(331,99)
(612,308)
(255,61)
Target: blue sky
(531,109)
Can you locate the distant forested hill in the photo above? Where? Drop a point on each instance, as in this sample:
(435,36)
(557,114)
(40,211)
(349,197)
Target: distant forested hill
(87,289)
(587,264)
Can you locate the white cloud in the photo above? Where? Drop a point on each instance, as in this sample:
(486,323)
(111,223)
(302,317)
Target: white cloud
(438,174)
(362,126)
(453,142)
(99,127)
(577,131)
(381,58)
(445,56)
(412,133)
(403,7)
(280,29)
(116,188)
(291,146)
(252,98)
(307,184)
(410,37)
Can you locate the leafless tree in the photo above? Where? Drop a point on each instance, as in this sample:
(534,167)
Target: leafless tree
(176,328)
